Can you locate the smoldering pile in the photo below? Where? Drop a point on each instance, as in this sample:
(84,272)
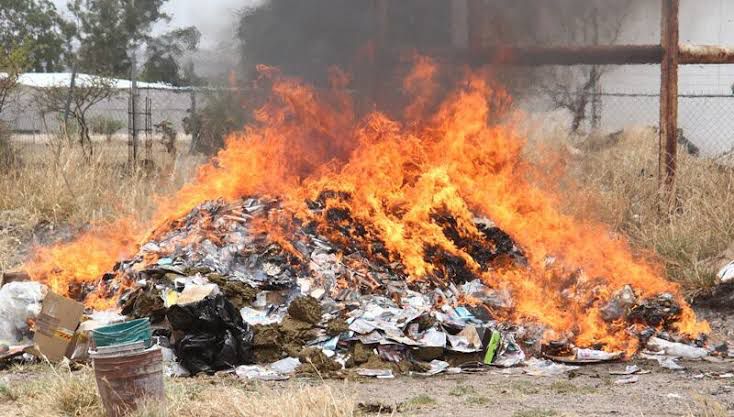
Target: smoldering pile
(339,304)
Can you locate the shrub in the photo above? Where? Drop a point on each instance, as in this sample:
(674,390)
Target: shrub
(101,125)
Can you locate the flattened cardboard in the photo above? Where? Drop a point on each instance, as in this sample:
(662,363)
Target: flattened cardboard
(8,277)
(56,325)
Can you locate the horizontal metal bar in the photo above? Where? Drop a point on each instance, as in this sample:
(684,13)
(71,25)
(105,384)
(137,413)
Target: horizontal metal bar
(566,55)
(592,55)
(657,95)
(706,54)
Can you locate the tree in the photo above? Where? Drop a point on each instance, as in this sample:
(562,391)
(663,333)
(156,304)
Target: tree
(574,88)
(89,91)
(110,31)
(163,55)
(12,64)
(37,26)
(106,126)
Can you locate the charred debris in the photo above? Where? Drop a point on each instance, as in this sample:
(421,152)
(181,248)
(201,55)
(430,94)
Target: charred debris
(223,288)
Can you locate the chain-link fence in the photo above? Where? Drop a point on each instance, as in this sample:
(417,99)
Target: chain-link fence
(24,113)
(707,121)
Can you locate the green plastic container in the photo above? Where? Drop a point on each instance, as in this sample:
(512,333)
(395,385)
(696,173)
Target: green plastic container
(122,333)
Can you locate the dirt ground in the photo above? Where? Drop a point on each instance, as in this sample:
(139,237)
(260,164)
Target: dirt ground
(589,391)
(700,390)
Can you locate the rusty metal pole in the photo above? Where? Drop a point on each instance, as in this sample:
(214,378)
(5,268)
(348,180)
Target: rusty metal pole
(669,102)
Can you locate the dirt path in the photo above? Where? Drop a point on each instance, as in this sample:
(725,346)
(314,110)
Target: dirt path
(589,391)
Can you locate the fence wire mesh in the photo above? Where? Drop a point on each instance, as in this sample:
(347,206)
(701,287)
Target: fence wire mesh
(707,121)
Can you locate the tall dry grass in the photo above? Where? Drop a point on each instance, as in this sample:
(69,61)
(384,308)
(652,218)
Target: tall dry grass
(57,182)
(54,182)
(615,181)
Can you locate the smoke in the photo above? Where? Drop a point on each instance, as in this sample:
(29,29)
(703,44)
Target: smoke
(305,39)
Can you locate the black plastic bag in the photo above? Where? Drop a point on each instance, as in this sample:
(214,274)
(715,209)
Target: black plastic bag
(214,335)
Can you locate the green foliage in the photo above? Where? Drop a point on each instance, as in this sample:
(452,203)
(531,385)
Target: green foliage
(168,135)
(535,412)
(109,30)
(164,52)
(569,388)
(13,61)
(36,26)
(417,402)
(107,126)
(222,115)
(460,390)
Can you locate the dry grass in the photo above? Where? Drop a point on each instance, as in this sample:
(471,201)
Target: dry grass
(58,392)
(616,183)
(54,182)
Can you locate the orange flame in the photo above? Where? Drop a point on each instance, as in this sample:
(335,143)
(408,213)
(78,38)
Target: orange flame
(460,156)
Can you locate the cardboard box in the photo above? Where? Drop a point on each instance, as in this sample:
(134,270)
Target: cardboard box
(8,277)
(56,326)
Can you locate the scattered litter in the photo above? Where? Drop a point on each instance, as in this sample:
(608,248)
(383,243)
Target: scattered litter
(437,367)
(591,355)
(726,274)
(629,370)
(666,362)
(676,349)
(376,373)
(630,379)
(260,373)
(510,353)
(674,396)
(492,346)
(19,302)
(544,367)
(171,366)
(286,366)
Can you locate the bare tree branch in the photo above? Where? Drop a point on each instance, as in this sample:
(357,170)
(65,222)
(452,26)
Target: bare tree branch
(90,91)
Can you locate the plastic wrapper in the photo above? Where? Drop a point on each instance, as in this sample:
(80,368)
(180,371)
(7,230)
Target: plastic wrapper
(19,302)
(214,336)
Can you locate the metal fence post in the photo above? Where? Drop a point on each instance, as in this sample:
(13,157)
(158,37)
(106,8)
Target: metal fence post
(194,123)
(133,113)
(669,101)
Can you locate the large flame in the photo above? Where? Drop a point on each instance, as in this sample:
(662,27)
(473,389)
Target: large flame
(459,156)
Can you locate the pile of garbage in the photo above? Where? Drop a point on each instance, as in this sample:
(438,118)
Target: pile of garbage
(223,290)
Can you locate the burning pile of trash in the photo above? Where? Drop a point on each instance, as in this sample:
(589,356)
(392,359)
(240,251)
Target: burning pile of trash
(321,241)
(330,305)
